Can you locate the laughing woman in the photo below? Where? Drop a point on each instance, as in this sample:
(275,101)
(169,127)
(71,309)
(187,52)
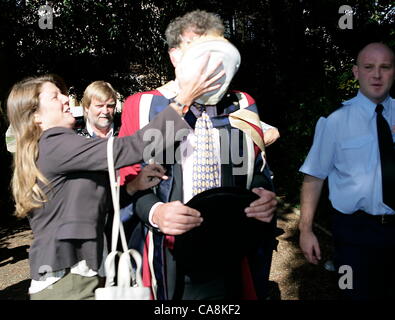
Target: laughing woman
(60,183)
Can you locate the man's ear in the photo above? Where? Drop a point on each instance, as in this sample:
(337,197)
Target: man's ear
(37,118)
(355,71)
(85,110)
(175,56)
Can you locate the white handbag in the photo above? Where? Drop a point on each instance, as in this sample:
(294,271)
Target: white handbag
(129,281)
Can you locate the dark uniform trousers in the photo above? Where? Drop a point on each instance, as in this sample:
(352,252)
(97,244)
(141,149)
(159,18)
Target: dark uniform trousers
(366,243)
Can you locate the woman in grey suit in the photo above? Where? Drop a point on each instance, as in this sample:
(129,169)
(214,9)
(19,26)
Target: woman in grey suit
(60,183)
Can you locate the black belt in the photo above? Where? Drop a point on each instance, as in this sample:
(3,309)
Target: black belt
(381,218)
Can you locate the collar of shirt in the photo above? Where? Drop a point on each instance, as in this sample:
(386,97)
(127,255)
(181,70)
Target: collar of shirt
(93,134)
(370,107)
(197,109)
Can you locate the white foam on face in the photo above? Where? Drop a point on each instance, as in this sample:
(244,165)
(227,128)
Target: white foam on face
(220,50)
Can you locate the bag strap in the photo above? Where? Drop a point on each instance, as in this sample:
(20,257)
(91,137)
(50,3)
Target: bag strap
(117,227)
(125,269)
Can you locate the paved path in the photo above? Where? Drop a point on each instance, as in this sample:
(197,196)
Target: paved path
(15,240)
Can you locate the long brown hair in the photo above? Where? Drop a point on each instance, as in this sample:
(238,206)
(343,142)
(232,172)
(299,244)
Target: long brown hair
(22,103)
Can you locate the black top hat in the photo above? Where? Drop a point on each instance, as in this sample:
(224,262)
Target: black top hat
(226,233)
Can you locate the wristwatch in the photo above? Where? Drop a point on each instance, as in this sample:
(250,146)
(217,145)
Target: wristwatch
(180,106)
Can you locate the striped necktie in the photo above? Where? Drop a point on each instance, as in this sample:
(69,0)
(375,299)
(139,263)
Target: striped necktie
(205,164)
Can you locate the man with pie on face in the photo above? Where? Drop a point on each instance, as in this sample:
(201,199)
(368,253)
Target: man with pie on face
(354,148)
(193,39)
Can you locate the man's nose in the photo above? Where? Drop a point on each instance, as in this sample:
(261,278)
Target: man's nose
(377,73)
(104,110)
(65,99)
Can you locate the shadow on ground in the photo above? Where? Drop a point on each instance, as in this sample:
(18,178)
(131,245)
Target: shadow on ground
(18,291)
(10,228)
(295,278)
(10,254)
(304,281)
(17,254)
(314,281)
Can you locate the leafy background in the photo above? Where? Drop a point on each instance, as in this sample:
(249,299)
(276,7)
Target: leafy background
(296,61)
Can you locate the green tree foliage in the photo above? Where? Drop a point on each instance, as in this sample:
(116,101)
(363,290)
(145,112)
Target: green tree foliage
(296,61)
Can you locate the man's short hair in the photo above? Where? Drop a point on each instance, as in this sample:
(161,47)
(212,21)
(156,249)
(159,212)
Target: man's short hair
(201,22)
(384,45)
(100,90)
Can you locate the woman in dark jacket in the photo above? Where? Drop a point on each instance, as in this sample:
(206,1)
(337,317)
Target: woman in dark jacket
(60,183)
